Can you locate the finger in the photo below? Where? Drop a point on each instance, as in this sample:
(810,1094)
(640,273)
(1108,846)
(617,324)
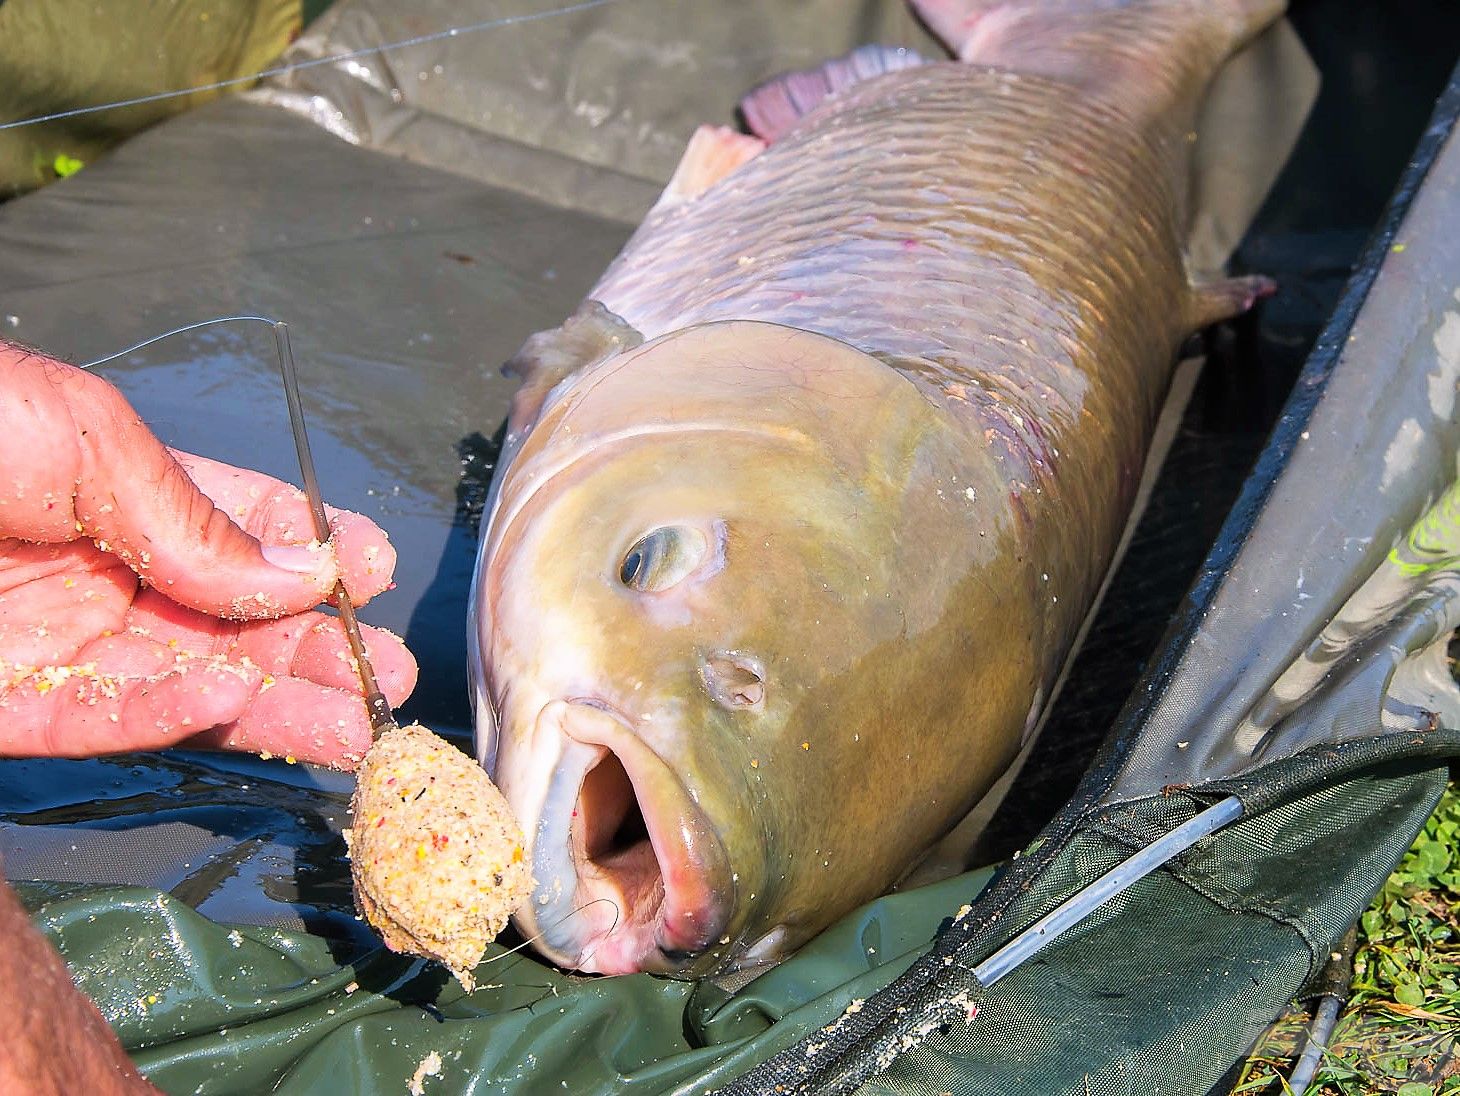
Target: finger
(134,693)
(308,645)
(39,448)
(299,721)
(55,598)
(133,498)
(139,698)
(313,647)
(278,514)
(163,621)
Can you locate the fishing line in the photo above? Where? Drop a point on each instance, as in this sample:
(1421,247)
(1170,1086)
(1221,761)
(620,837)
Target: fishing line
(297,66)
(617,913)
(178,331)
(589,953)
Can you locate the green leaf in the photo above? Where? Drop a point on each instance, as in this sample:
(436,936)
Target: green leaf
(1432,858)
(1408,954)
(1409,993)
(1394,1065)
(64,165)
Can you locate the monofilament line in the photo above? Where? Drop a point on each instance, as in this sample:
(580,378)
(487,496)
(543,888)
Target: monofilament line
(184,329)
(617,913)
(314,62)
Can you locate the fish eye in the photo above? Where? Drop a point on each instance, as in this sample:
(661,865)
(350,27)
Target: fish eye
(661,558)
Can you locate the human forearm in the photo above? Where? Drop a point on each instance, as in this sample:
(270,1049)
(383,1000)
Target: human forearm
(55,1041)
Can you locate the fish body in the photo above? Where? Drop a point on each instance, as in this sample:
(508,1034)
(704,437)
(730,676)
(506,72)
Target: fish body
(801,512)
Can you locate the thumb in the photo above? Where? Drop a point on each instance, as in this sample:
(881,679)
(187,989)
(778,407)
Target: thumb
(138,503)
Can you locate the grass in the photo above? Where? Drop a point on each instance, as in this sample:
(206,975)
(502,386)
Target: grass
(1400,1031)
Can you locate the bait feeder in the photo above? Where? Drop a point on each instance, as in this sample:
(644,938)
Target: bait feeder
(1261,765)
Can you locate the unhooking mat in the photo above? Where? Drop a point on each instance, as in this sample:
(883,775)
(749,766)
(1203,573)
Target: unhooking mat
(405,287)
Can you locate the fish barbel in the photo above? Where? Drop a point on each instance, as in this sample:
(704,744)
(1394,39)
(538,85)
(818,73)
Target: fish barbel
(800,512)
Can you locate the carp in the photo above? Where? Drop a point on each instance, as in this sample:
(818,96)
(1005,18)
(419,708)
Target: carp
(800,512)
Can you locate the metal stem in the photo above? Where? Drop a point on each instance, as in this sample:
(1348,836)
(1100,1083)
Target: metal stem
(378,707)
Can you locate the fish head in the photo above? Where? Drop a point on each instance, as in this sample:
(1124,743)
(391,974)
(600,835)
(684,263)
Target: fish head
(682,607)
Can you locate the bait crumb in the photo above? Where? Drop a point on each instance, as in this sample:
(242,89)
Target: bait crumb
(436,855)
(430,1066)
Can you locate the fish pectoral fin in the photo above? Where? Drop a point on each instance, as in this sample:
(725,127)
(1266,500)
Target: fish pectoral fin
(713,152)
(1224,298)
(590,335)
(774,107)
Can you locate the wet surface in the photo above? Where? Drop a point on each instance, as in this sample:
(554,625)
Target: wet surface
(236,838)
(398,364)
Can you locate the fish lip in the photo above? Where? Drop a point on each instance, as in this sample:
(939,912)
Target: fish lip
(688,920)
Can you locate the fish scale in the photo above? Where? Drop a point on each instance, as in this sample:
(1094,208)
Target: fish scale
(899,206)
(799,514)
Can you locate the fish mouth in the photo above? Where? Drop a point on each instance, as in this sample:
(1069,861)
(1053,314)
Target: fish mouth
(631,875)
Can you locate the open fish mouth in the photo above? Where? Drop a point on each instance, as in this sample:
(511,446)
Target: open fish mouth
(630,874)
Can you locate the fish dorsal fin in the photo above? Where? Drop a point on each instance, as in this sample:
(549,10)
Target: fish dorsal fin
(713,152)
(774,107)
(590,335)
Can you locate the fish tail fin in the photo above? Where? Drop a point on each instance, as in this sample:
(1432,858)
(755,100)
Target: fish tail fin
(1059,37)
(775,106)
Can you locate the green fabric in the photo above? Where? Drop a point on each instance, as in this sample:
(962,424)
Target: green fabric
(1200,956)
(211,1008)
(313,9)
(60,54)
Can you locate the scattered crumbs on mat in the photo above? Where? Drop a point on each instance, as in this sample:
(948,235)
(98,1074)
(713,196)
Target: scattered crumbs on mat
(430,1066)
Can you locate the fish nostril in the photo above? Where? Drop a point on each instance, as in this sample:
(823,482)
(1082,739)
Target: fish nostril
(734,680)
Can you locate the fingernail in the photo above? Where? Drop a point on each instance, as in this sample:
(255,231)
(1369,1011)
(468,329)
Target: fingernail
(301,559)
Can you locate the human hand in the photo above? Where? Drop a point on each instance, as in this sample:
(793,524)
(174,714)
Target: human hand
(150,598)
